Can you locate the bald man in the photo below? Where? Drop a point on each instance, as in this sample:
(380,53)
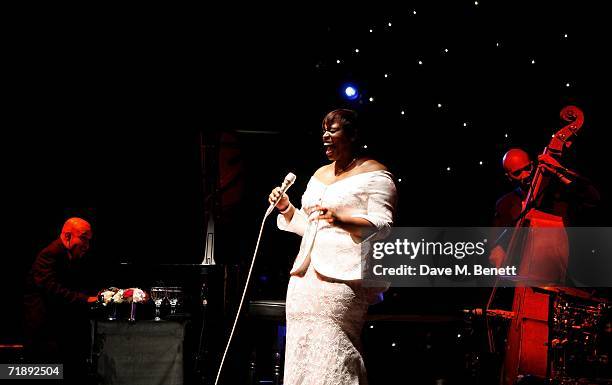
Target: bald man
(55,310)
(567,195)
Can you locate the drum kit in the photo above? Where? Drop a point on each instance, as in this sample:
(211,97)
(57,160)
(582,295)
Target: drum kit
(579,347)
(576,344)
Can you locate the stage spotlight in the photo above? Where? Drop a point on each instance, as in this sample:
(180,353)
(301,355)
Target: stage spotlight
(350,92)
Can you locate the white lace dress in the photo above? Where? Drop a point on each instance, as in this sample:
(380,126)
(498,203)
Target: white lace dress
(326,302)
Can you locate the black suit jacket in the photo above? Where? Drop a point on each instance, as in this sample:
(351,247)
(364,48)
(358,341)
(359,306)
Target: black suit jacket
(54,307)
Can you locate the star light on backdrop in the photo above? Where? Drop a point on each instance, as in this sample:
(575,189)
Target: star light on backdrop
(505,57)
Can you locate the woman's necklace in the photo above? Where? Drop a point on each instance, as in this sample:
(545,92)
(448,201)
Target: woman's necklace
(342,169)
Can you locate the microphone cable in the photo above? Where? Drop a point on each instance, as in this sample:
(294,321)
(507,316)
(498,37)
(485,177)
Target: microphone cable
(246,286)
(289,179)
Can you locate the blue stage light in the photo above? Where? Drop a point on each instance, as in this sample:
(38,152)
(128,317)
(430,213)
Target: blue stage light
(351,92)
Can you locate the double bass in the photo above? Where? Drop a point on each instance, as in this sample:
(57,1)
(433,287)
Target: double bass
(527,339)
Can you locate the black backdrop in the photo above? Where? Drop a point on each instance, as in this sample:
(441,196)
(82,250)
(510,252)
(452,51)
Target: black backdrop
(103,115)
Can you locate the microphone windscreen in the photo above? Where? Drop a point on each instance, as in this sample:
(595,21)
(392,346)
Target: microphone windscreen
(290,178)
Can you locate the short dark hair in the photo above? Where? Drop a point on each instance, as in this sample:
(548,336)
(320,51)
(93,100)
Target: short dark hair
(346,118)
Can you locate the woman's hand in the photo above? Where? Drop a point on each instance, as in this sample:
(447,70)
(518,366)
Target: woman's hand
(327,214)
(283,202)
(358,227)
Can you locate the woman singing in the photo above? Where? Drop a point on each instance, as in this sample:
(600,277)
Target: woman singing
(348,201)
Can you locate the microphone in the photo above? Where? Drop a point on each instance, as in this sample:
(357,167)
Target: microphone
(289,179)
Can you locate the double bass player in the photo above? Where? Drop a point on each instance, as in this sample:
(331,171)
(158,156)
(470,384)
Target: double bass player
(548,197)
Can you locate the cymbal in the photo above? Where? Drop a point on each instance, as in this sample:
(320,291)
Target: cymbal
(571,291)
